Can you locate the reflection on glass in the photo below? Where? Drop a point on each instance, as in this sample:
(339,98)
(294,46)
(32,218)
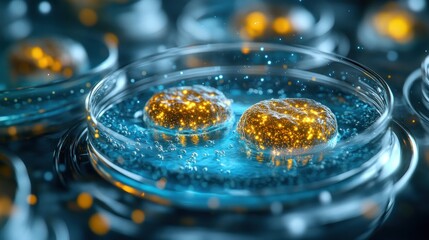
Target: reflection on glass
(188,109)
(36,61)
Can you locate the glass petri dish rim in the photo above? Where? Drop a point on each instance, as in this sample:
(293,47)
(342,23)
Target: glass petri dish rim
(379,126)
(356,175)
(78,133)
(424,68)
(112,55)
(325,19)
(400,175)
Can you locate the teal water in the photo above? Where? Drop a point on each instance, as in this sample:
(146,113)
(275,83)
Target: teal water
(220,160)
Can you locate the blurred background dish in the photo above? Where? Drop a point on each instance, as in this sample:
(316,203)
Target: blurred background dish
(140,27)
(47,72)
(286,22)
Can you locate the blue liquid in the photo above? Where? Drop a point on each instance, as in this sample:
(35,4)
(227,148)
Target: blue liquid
(221,161)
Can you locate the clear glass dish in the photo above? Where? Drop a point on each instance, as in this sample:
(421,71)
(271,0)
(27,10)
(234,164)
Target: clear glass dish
(285,22)
(216,173)
(32,111)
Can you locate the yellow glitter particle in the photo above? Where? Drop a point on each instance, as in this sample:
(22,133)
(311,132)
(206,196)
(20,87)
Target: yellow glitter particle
(84,200)
(283,25)
(188,109)
(32,199)
(294,125)
(138,216)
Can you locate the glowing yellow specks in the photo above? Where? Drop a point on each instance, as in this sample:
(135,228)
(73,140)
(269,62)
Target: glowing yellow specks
(266,23)
(96,134)
(188,109)
(36,52)
(287,125)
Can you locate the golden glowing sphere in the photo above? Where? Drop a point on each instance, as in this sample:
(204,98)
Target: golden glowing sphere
(39,60)
(288,125)
(188,109)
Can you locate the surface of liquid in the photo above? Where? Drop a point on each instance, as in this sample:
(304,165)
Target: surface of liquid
(221,160)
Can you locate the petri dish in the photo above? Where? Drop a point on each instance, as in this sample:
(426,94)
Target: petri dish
(359,212)
(268,21)
(217,171)
(27,111)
